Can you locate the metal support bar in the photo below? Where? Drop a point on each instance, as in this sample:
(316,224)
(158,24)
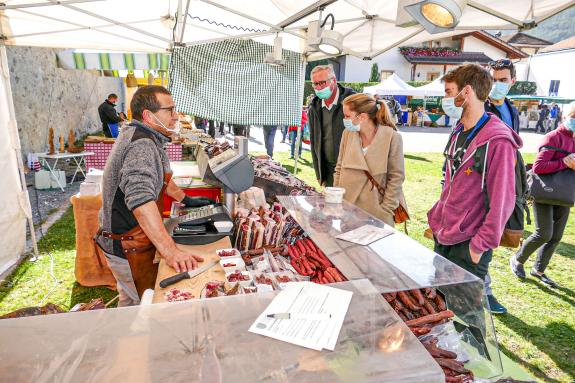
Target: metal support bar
(299,134)
(305,12)
(35,5)
(397,43)
(123,25)
(184,18)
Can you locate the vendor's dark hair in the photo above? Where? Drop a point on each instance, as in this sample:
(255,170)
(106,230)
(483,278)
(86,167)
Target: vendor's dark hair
(145,98)
(376,109)
(112,95)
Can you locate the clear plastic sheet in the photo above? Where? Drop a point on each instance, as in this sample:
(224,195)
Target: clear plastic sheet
(207,341)
(397,263)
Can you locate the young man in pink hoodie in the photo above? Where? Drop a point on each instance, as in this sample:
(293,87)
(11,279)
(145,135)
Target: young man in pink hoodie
(465,231)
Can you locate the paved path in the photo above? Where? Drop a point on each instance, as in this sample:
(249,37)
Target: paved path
(414,140)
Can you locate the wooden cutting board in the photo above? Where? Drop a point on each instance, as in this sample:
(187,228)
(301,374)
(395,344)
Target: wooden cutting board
(196,284)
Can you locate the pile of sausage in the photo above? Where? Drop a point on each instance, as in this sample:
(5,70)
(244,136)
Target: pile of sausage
(421,310)
(308,260)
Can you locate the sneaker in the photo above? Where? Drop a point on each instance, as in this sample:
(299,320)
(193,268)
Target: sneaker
(517,268)
(494,306)
(544,279)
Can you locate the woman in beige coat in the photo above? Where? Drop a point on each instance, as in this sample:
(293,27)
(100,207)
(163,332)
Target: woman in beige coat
(370,143)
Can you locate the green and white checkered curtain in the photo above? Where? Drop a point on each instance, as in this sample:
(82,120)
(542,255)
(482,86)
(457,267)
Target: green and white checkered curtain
(228,81)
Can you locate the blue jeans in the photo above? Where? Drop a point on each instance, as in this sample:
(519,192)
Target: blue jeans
(293,137)
(269,136)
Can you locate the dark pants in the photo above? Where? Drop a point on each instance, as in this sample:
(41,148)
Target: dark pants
(293,138)
(459,254)
(284,130)
(212,128)
(269,136)
(107,131)
(328,173)
(222,128)
(239,130)
(550,222)
(540,123)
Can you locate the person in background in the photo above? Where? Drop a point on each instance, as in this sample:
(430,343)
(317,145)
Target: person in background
(269,137)
(370,166)
(293,133)
(559,117)
(325,119)
(212,128)
(542,122)
(553,117)
(550,220)
(504,77)
(284,130)
(395,109)
(200,123)
(464,230)
(109,115)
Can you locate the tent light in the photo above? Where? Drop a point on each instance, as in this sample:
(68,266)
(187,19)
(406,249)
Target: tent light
(437,15)
(327,41)
(275,57)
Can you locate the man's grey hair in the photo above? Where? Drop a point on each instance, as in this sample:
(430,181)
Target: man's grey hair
(328,67)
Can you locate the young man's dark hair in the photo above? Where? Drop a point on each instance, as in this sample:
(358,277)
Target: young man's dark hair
(503,64)
(112,95)
(145,98)
(475,76)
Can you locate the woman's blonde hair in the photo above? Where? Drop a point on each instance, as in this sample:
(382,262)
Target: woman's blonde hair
(377,110)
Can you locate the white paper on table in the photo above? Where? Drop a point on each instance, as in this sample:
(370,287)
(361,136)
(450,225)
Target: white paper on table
(366,234)
(305,298)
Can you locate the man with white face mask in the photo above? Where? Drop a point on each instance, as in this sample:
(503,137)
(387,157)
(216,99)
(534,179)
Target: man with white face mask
(503,73)
(136,177)
(476,201)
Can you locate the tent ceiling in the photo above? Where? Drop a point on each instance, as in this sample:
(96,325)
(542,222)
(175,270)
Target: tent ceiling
(138,25)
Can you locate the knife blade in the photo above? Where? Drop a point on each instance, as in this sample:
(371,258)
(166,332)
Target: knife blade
(186,274)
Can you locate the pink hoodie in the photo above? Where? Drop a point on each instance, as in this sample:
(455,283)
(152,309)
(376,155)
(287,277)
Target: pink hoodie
(459,214)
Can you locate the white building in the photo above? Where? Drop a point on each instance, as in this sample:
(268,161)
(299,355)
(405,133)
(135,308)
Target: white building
(476,47)
(553,71)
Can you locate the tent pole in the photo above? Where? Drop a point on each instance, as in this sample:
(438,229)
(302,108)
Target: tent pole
(16,143)
(298,138)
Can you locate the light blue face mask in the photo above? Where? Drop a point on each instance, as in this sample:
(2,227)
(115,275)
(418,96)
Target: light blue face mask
(499,90)
(349,125)
(448,106)
(569,123)
(324,93)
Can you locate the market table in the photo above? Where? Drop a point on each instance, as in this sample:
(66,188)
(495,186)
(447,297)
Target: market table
(208,341)
(44,157)
(195,285)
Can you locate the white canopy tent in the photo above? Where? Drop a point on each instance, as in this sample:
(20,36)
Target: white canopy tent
(368,28)
(392,86)
(434,88)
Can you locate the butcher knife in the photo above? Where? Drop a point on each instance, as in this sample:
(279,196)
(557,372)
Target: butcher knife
(186,274)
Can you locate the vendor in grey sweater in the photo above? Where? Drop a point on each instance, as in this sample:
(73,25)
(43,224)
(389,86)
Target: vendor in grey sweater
(136,176)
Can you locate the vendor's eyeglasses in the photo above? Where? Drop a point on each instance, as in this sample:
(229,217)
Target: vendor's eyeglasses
(171,109)
(501,64)
(320,83)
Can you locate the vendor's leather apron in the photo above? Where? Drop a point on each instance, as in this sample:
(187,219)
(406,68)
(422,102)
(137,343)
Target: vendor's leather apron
(139,250)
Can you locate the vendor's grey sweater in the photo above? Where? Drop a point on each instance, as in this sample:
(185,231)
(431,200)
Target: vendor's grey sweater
(133,176)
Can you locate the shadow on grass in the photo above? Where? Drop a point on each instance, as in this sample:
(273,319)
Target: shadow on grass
(569,294)
(534,370)
(82,294)
(416,158)
(554,340)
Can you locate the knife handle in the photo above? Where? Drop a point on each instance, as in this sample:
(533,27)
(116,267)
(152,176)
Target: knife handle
(174,279)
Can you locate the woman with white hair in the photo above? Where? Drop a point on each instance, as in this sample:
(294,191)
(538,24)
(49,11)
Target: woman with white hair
(550,220)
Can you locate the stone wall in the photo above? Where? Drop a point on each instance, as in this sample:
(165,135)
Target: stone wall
(46,96)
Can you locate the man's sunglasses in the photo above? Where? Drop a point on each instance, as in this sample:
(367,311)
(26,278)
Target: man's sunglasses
(500,64)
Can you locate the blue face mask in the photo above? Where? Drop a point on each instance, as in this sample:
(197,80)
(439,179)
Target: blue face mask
(448,106)
(569,123)
(349,125)
(499,90)
(324,93)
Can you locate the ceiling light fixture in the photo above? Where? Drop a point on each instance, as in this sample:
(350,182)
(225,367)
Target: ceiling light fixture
(327,41)
(437,15)
(275,57)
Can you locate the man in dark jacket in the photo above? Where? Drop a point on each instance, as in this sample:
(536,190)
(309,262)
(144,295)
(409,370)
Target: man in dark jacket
(108,114)
(325,118)
(504,77)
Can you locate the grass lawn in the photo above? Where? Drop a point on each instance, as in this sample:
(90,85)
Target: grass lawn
(538,331)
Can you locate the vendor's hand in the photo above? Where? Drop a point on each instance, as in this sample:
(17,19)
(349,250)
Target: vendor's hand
(570,161)
(475,257)
(182,261)
(197,201)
